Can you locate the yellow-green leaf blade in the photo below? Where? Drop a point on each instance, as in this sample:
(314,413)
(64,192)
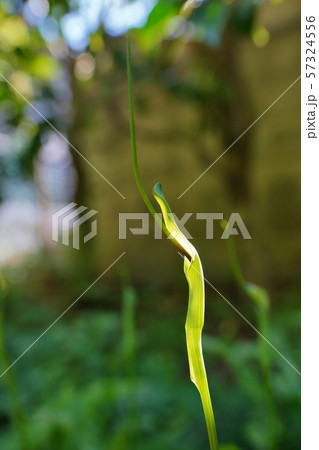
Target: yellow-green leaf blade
(195,313)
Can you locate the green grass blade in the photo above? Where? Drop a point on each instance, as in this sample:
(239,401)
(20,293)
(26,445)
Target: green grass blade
(195,313)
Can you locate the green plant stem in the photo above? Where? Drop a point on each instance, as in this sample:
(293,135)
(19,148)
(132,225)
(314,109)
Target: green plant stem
(193,327)
(18,417)
(263,350)
(138,179)
(235,263)
(265,368)
(129,300)
(133,137)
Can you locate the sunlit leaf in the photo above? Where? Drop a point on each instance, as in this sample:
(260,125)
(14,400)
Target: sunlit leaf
(44,67)
(13,33)
(195,313)
(155,29)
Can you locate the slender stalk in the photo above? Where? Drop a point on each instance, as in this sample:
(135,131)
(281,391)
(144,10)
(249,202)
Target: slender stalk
(129,300)
(17,414)
(260,298)
(133,137)
(235,263)
(265,367)
(138,179)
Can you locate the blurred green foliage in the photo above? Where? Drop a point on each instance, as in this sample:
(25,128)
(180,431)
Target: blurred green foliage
(35,61)
(106,377)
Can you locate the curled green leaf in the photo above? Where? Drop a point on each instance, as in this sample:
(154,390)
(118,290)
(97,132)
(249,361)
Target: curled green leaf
(195,314)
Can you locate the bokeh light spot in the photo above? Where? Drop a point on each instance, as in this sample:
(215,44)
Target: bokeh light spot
(84,67)
(13,33)
(40,8)
(96,43)
(22,83)
(260,37)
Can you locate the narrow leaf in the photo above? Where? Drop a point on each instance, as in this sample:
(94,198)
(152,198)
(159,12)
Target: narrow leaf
(195,314)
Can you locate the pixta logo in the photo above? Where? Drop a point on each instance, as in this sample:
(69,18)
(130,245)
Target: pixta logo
(234,225)
(67,221)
